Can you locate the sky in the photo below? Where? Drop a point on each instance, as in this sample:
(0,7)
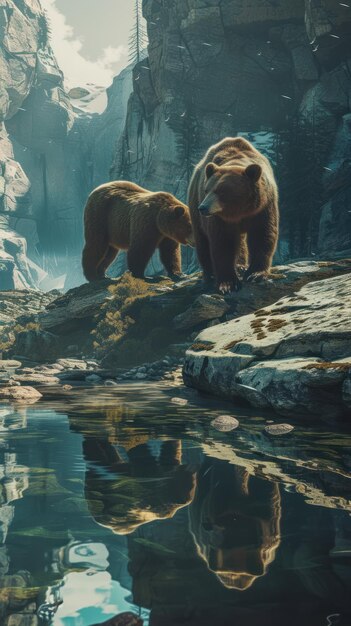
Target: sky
(90,38)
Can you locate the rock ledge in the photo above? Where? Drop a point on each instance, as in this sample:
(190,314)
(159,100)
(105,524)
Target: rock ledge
(293,356)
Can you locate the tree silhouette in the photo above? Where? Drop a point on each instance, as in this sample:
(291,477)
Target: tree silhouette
(138,36)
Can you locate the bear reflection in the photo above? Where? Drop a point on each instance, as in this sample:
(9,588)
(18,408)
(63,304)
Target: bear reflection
(127,489)
(235,521)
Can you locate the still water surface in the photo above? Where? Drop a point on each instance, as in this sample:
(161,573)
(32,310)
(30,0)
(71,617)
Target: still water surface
(123,500)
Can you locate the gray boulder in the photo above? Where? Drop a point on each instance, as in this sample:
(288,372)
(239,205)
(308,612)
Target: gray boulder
(37,345)
(22,395)
(294,356)
(204,308)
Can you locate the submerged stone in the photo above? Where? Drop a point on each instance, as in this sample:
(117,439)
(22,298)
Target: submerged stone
(278,430)
(225,423)
(180,401)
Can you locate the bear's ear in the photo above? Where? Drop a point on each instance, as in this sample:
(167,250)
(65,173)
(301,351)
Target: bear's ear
(211,168)
(254,172)
(179,211)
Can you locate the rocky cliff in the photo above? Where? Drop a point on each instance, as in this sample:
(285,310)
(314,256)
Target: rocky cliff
(52,151)
(277,73)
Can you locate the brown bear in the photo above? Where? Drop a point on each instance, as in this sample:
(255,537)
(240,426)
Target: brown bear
(233,201)
(123,216)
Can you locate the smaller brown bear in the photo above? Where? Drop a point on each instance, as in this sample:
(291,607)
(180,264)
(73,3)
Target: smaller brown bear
(233,201)
(123,216)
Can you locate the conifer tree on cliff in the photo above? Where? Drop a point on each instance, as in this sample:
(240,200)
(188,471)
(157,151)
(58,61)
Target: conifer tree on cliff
(138,36)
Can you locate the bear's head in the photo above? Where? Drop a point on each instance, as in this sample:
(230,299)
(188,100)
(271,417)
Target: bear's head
(232,192)
(174,222)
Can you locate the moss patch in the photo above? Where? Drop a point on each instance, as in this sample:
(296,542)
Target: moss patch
(232,344)
(262,313)
(276,324)
(327,365)
(198,347)
(12,333)
(135,325)
(256,324)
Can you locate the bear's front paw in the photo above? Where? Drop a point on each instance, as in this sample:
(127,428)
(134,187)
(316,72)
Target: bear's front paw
(229,286)
(257,277)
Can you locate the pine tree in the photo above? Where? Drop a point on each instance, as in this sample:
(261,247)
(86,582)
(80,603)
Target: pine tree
(138,36)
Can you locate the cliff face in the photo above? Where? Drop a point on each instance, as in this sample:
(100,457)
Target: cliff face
(277,73)
(52,153)
(33,110)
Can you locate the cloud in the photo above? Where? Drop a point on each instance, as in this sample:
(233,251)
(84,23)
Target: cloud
(68,51)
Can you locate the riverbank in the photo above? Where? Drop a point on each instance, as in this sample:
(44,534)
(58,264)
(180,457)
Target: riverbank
(261,345)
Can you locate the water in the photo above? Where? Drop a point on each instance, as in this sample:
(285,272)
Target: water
(124,500)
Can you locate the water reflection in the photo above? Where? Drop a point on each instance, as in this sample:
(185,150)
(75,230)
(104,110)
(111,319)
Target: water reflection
(235,520)
(125,489)
(138,505)
(13,477)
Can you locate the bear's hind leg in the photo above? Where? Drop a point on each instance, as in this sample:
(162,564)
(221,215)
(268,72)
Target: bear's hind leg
(93,255)
(106,261)
(262,242)
(140,253)
(171,257)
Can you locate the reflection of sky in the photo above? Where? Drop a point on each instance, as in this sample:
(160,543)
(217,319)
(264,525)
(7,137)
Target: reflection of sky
(89,599)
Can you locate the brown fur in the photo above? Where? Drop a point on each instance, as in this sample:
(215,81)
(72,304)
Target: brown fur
(235,185)
(123,216)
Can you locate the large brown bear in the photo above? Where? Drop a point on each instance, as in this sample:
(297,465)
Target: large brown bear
(233,200)
(123,216)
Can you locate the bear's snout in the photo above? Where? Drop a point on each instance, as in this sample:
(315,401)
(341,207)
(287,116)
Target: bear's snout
(210,205)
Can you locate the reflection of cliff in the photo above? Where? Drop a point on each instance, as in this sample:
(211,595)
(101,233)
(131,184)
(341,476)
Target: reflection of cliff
(235,520)
(13,481)
(126,490)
